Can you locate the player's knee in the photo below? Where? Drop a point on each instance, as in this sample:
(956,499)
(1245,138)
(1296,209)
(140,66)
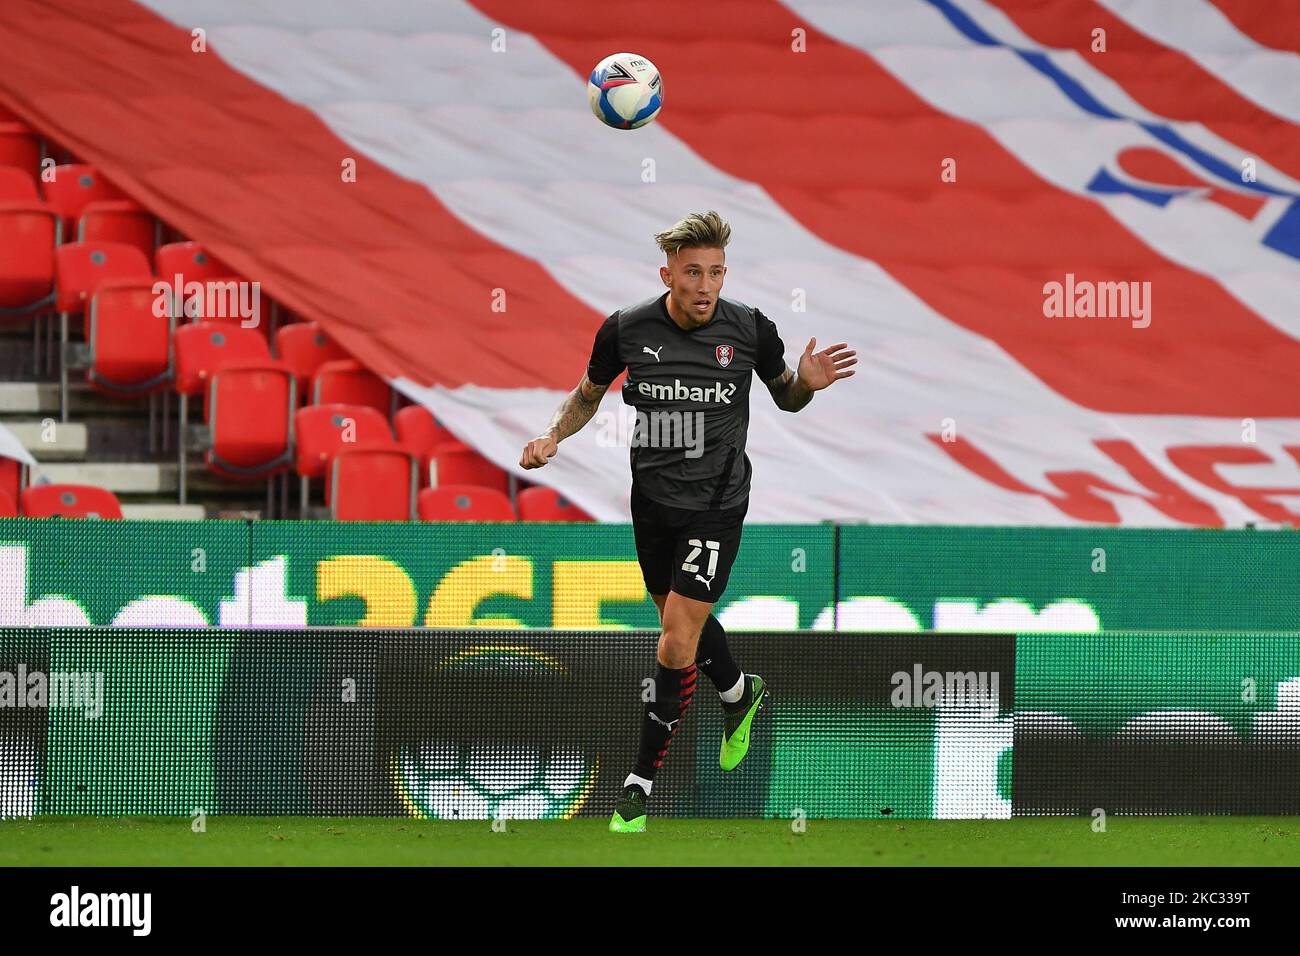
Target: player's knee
(677,647)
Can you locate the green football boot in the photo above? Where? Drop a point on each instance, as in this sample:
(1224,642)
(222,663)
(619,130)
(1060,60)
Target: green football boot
(629,811)
(739,717)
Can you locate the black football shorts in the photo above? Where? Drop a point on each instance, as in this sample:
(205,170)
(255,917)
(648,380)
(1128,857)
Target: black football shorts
(690,552)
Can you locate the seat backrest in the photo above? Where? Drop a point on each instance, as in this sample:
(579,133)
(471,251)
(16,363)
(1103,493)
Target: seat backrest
(344,380)
(73,187)
(17,185)
(182,264)
(203,348)
(69,501)
(464,503)
(80,266)
(130,342)
(458,464)
(228,300)
(547,504)
(8,509)
(11,476)
(419,430)
(190,261)
(29,235)
(20,146)
(118,220)
(305,347)
(372,483)
(321,430)
(250,412)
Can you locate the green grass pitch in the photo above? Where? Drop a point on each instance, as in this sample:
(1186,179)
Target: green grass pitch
(362,841)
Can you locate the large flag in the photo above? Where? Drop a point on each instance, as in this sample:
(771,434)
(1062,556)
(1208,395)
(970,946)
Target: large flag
(1064,235)
(12,447)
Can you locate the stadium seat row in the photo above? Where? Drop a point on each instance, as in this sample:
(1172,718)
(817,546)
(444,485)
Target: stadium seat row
(369,483)
(84,205)
(256,429)
(78,246)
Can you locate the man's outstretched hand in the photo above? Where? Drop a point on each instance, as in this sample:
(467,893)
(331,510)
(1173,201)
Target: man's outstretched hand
(538,452)
(817,370)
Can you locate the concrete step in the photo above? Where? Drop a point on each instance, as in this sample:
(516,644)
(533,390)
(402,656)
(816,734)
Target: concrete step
(100,439)
(150,478)
(48,440)
(28,398)
(155,511)
(121,478)
(111,433)
(42,398)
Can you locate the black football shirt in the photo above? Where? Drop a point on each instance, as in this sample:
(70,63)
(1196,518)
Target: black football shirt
(691,395)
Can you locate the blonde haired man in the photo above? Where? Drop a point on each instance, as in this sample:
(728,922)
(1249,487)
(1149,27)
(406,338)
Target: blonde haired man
(689,355)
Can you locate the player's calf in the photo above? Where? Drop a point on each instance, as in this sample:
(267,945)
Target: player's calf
(673,690)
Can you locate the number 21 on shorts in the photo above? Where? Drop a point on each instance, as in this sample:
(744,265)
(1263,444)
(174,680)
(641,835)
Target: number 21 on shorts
(690,567)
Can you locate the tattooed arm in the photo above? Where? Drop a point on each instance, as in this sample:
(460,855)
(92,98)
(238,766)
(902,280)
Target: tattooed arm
(788,391)
(817,370)
(574,412)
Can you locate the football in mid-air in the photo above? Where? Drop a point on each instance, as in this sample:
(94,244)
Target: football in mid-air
(625,91)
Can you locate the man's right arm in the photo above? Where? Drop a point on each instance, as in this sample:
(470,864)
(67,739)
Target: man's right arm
(574,412)
(580,404)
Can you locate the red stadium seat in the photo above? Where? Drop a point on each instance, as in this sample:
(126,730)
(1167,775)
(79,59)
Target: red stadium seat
(199,351)
(73,188)
(321,430)
(458,464)
(190,261)
(547,504)
(58,152)
(29,233)
(305,347)
(181,263)
(259,327)
(419,430)
(130,346)
(464,503)
(17,185)
(80,266)
(372,483)
(350,382)
(117,220)
(222,300)
(203,348)
(11,477)
(20,147)
(250,412)
(69,501)
(7,507)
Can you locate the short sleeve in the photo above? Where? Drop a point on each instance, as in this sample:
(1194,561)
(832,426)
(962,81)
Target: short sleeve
(605,364)
(771,350)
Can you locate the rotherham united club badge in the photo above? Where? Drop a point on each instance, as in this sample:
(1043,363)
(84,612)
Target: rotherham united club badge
(724,353)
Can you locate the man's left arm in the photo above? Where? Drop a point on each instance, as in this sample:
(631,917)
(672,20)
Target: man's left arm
(789,393)
(793,390)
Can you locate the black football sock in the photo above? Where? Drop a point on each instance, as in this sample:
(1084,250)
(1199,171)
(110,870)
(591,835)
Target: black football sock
(673,692)
(714,657)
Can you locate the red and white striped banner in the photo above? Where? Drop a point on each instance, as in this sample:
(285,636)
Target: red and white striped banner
(949,185)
